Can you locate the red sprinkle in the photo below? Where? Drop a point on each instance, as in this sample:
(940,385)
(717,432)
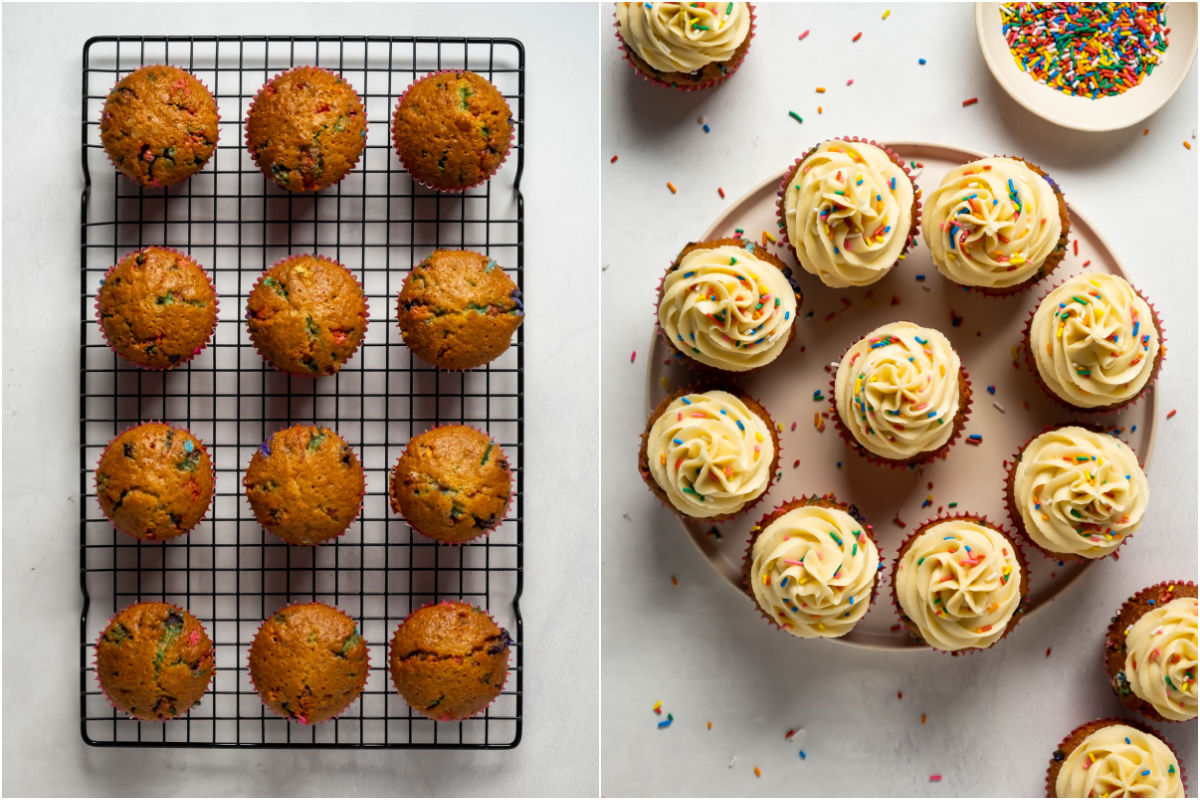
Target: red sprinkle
(612,160)
(1047,652)
(972,101)
(633,357)
(934,778)
(721,192)
(1170,413)
(1087,262)
(898,521)
(1076,245)
(850,82)
(857,36)
(899,695)
(674,581)
(803,35)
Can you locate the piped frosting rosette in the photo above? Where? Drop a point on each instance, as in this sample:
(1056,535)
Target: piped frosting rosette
(1078,492)
(683,37)
(1094,341)
(1118,760)
(1160,658)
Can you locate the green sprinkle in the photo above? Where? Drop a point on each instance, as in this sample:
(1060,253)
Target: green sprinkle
(796,116)
(486,453)
(314,441)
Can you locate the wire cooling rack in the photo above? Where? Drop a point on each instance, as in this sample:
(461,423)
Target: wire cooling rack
(229,572)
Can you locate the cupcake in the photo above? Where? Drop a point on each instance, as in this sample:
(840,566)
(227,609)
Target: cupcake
(154,482)
(451,484)
(308,663)
(305,485)
(1114,758)
(1150,652)
(709,454)
(685,45)
(452,130)
(1094,342)
(307,315)
(154,661)
(728,305)
(449,661)
(811,567)
(901,394)
(159,125)
(848,210)
(959,584)
(306,129)
(1076,493)
(157,308)
(997,224)
(458,310)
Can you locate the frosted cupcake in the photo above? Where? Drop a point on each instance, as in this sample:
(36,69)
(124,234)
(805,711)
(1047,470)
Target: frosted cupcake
(848,209)
(1114,758)
(1095,342)
(959,584)
(901,394)
(709,454)
(1150,652)
(728,305)
(685,45)
(1077,493)
(997,224)
(811,568)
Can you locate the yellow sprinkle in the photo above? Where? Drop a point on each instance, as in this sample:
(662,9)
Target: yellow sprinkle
(886,14)
(666,386)
(820,90)
(758,436)
(769,236)
(671,186)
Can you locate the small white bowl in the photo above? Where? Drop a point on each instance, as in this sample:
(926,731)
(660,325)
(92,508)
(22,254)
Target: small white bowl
(1083,113)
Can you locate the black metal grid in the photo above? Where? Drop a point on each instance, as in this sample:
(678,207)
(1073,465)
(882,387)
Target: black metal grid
(228,571)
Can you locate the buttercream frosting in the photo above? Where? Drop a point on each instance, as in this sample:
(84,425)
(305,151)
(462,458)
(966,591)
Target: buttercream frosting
(1160,658)
(1119,761)
(683,37)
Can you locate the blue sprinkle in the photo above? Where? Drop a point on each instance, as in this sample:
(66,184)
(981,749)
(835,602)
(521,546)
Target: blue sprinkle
(802,756)
(686,402)
(677,441)
(188,446)
(921,61)
(265,449)
(491,265)
(741,427)
(706,128)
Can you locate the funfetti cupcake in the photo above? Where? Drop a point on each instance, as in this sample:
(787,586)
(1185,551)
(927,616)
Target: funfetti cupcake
(998,224)
(1076,493)
(709,454)
(685,45)
(1150,652)
(849,210)
(811,567)
(728,305)
(901,394)
(1114,758)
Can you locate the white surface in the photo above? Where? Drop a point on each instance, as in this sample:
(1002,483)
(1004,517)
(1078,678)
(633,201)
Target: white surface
(993,718)
(43,753)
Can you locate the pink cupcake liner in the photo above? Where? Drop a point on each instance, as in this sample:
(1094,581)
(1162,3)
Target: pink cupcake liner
(512,136)
(250,111)
(1105,722)
(730,67)
(185,359)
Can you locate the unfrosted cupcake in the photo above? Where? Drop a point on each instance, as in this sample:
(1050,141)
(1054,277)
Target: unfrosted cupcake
(959,584)
(811,567)
(901,394)
(1150,652)
(849,210)
(1114,758)
(685,45)
(997,224)
(1077,493)
(1095,342)
(728,305)
(709,454)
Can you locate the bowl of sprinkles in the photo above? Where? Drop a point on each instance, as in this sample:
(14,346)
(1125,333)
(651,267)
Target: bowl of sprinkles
(1088,66)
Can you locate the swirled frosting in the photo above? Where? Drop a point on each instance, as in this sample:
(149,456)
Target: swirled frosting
(1079,492)
(1160,658)
(897,390)
(848,211)
(683,37)
(960,584)
(1094,340)
(1119,761)
(710,454)
(991,223)
(726,308)
(813,570)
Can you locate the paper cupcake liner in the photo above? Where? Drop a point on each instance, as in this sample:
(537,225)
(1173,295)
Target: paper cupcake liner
(250,111)
(913,232)
(650,75)
(366,315)
(394,504)
(979,519)
(366,672)
(96,662)
(96,480)
(1088,728)
(1113,650)
(184,359)
(643,458)
(1014,514)
(1031,363)
(708,371)
(828,500)
(499,692)
(512,137)
(154,184)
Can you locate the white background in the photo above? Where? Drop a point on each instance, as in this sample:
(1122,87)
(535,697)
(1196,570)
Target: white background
(43,752)
(993,718)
